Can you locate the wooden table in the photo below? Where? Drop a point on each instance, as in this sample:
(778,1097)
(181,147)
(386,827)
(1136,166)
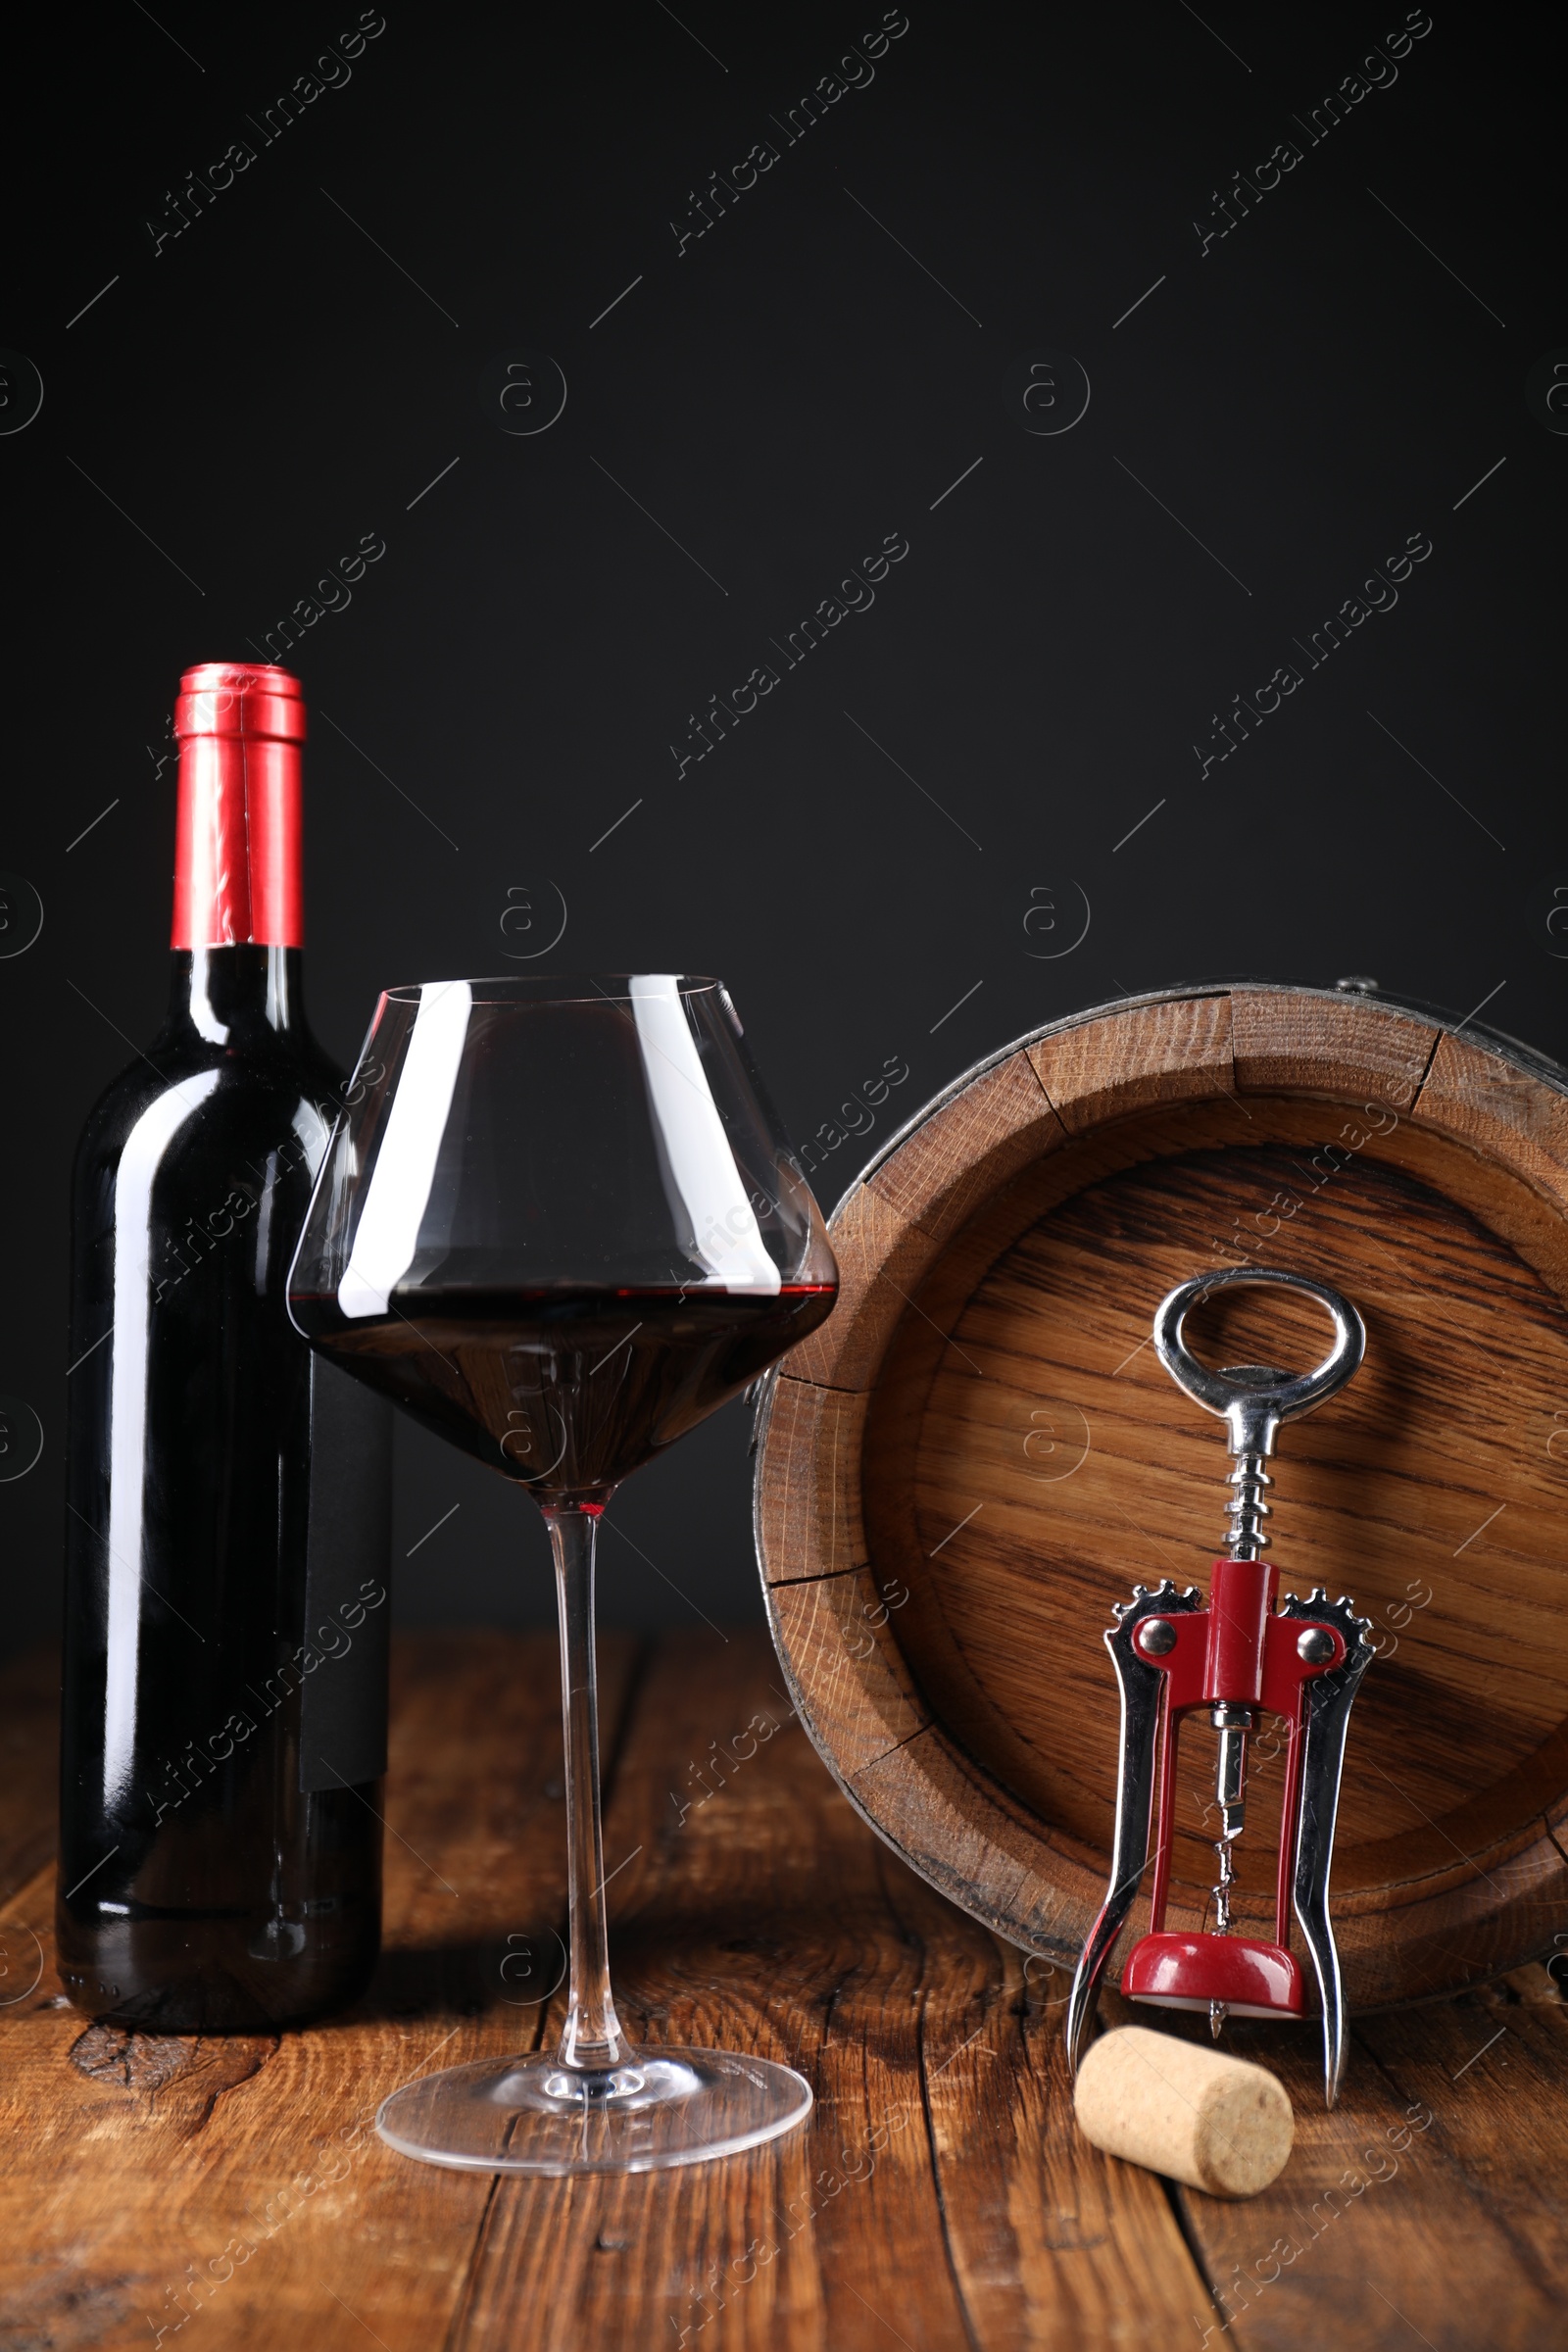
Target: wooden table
(940,2197)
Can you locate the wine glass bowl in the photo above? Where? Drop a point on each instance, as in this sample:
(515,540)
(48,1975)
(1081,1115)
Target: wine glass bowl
(559,1223)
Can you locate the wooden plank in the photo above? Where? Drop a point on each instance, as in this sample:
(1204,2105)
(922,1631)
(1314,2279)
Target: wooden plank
(1459,1925)
(881,1259)
(956,1158)
(29,1768)
(809,1490)
(1054,2243)
(959,1830)
(1173,1053)
(855,1689)
(243,2182)
(1483,1100)
(1343,1047)
(773,1921)
(1424,2209)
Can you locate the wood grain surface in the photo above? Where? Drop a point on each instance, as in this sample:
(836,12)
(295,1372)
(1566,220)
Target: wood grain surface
(990,1454)
(232,2192)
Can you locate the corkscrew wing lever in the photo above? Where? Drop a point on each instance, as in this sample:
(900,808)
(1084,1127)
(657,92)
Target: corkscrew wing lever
(1141,1693)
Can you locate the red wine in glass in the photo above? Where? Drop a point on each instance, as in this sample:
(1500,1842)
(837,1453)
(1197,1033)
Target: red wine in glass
(566,1391)
(560,1225)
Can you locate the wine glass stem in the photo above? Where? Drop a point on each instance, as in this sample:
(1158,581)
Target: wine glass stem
(592,2038)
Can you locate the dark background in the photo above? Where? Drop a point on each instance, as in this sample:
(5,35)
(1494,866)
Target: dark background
(302,365)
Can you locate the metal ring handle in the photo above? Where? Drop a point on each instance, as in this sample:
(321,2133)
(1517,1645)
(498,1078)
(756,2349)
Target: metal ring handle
(1255,1413)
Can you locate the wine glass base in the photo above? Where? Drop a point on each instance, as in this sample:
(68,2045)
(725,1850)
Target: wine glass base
(531,2115)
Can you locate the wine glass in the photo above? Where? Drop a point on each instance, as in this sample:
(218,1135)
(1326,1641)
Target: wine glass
(560,1224)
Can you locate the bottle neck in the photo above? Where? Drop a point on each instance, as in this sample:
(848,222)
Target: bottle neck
(239,997)
(238,927)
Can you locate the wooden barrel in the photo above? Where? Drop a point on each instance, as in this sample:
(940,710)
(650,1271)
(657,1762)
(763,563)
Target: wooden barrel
(980,1452)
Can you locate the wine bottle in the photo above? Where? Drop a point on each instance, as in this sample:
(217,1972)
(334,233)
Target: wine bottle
(225,1641)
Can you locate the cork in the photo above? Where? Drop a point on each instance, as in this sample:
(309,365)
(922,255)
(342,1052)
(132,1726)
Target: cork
(1194,2114)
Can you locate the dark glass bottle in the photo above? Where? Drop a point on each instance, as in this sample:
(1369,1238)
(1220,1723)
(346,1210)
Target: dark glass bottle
(224,1716)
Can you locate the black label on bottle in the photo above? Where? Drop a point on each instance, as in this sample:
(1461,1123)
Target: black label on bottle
(347,1605)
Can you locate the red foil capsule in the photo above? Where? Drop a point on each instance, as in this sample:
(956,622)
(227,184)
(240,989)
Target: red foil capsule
(237,877)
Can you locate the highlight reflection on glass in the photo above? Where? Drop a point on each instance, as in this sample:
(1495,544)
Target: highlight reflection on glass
(560,1224)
